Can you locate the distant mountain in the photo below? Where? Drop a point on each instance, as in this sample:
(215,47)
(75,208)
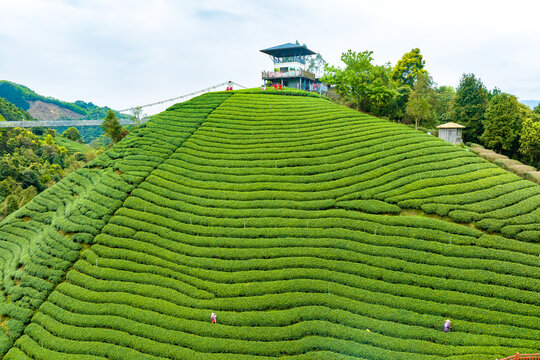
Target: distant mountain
(48,108)
(9,112)
(530,103)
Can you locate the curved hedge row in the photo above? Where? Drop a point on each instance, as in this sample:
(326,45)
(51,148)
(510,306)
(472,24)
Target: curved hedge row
(290,217)
(43,238)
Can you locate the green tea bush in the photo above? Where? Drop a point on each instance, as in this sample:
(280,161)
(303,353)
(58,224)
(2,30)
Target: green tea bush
(277,213)
(532,236)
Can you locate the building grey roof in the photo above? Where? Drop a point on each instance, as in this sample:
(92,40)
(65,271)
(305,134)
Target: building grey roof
(451,125)
(288,50)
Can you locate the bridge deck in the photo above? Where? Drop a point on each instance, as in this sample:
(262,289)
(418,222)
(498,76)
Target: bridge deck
(56,123)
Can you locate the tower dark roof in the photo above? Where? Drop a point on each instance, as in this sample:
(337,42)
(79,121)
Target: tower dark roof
(288,50)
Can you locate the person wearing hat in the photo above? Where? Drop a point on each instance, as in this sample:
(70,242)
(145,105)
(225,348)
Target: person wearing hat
(447,325)
(213,317)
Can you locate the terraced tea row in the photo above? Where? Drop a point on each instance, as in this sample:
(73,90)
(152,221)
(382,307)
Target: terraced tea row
(279,214)
(43,239)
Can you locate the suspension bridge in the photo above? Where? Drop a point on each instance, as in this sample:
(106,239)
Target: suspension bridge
(98,122)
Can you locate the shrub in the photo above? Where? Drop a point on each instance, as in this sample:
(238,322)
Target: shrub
(273,212)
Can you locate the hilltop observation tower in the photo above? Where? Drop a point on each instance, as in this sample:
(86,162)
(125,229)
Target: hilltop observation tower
(290,68)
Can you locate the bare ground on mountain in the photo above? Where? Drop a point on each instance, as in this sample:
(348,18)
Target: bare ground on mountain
(45,111)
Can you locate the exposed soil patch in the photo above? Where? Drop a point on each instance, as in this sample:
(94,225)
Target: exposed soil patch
(3,323)
(63,233)
(45,111)
(416,212)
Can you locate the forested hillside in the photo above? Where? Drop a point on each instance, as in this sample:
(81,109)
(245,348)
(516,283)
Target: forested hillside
(30,163)
(407,93)
(311,230)
(9,112)
(22,97)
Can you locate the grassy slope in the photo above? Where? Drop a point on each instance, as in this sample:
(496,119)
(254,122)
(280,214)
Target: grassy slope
(275,212)
(72,146)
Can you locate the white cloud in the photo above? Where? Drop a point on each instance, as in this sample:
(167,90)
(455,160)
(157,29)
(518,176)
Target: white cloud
(122,53)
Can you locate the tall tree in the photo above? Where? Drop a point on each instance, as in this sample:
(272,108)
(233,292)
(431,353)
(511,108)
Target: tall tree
(409,68)
(137,115)
(502,123)
(445,100)
(351,82)
(421,103)
(537,109)
(530,138)
(112,127)
(492,93)
(72,134)
(380,89)
(397,105)
(366,85)
(470,106)
(316,65)
(10,205)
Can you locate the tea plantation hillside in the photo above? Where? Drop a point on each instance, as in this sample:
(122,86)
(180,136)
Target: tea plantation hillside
(311,230)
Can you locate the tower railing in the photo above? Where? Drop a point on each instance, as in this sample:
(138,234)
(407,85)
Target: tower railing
(268,75)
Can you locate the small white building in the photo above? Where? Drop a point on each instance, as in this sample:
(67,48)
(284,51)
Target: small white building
(451,132)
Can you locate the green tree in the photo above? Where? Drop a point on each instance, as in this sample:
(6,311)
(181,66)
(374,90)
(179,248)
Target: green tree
(397,105)
(29,178)
(470,106)
(49,140)
(137,115)
(421,103)
(366,85)
(11,204)
(316,65)
(502,123)
(10,112)
(445,100)
(530,138)
(72,134)
(496,91)
(351,82)
(380,89)
(537,109)
(51,132)
(28,165)
(112,127)
(7,186)
(409,68)
(28,194)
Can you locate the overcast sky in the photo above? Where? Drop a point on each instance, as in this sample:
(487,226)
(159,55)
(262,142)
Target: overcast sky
(123,53)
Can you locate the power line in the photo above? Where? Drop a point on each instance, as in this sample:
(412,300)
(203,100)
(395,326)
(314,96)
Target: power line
(94,122)
(230,83)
